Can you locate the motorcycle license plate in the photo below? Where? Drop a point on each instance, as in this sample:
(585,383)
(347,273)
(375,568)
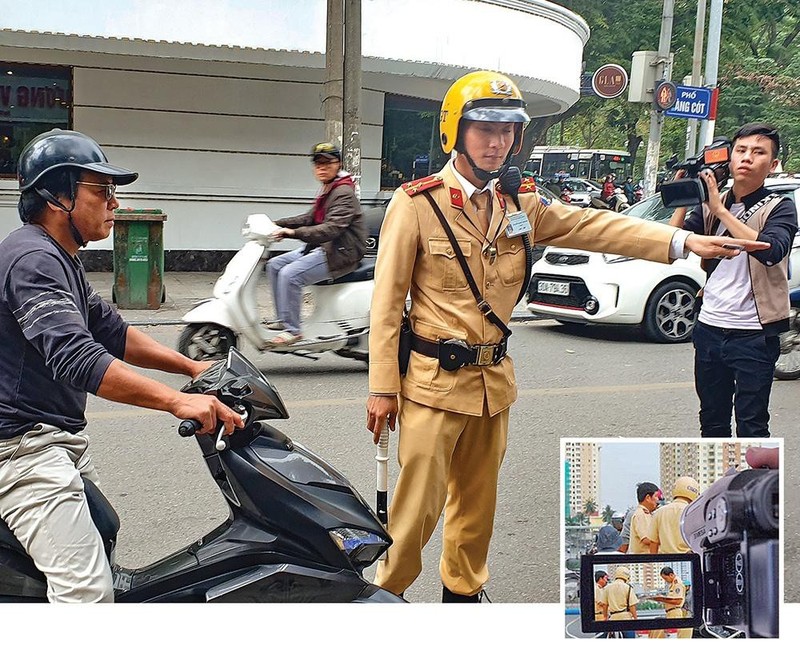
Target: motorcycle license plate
(552,287)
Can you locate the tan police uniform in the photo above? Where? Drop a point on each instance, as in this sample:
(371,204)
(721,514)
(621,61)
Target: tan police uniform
(600,601)
(667,528)
(641,527)
(621,598)
(674,610)
(453,424)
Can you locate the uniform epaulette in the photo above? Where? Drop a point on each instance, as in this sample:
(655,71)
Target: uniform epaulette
(416,186)
(528,185)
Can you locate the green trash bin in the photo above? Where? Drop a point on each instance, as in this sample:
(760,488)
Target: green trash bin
(139,259)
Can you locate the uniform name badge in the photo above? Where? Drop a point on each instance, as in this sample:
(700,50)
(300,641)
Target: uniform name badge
(518,224)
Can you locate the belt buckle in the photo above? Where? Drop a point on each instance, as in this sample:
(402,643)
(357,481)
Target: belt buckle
(485,355)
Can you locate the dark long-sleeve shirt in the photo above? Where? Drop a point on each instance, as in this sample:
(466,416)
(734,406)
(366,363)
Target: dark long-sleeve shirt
(57,336)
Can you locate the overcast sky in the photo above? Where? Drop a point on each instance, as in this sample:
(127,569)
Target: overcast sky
(622,466)
(273,24)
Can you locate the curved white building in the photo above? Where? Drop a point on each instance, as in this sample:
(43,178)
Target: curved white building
(217,132)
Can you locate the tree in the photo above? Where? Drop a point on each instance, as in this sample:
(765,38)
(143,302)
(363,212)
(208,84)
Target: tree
(590,507)
(608,514)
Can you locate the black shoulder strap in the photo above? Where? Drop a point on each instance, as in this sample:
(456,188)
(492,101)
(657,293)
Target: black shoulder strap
(483,306)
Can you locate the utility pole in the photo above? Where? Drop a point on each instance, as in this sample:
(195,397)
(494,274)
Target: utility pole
(334,72)
(351,131)
(697,61)
(663,73)
(712,64)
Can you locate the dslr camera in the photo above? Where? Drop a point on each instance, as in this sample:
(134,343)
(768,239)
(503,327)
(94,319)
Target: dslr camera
(691,190)
(733,526)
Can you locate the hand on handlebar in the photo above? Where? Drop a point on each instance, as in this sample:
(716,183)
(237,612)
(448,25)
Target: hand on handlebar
(283,232)
(208,411)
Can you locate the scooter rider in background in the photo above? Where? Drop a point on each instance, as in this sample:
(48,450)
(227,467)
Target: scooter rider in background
(335,235)
(61,340)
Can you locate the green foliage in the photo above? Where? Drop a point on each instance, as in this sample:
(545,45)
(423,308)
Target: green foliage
(608,514)
(759,73)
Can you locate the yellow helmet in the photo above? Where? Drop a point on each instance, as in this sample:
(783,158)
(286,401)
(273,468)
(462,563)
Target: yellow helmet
(481,96)
(622,573)
(686,487)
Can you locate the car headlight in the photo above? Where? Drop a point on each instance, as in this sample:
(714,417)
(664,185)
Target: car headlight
(362,548)
(611,258)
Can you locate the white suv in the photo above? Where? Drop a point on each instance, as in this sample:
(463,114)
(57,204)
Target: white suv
(589,287)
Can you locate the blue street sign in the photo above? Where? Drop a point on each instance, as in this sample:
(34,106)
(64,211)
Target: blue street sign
(692,103)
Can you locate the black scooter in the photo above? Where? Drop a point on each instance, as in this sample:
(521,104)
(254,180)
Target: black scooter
(297,530)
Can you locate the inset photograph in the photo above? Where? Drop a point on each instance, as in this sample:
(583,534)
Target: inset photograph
(672,539)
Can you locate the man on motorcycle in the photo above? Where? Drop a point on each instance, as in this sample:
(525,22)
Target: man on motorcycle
(61,340)
(335,235)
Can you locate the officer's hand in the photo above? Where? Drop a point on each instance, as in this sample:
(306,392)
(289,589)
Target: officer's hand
(721,246)
(380,410)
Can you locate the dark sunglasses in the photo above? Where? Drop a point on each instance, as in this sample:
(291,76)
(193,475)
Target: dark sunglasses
(110,189)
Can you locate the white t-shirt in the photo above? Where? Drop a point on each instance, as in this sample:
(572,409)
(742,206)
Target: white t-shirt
(728,300)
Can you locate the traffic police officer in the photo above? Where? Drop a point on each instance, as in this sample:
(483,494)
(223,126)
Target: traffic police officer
(642,529)
(454,417)
(620,596)
(673,602)
(600,601)
(667,519)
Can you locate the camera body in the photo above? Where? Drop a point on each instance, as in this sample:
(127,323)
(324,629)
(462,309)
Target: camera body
(691,190)
(733,525)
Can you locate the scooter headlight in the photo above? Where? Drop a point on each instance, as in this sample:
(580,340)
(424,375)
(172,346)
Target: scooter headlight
(362,548)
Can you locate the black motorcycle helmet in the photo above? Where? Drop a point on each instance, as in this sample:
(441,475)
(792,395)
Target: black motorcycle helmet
(67,151)
(66,148)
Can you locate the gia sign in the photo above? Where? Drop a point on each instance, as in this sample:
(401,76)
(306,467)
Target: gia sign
(692,103)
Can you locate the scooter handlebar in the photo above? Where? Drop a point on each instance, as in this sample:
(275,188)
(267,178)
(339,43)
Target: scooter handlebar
(189,427)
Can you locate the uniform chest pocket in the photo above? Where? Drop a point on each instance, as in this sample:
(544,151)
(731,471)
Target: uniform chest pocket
(510,260)
(446,264)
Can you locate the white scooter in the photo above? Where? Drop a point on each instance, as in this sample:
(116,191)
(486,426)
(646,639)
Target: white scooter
(339,322)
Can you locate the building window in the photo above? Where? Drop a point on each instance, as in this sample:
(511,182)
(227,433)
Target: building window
(410,140)
(33,99)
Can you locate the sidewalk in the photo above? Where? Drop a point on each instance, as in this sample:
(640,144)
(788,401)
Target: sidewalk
(185,288)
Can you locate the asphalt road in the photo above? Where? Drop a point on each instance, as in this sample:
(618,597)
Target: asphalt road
(591,382)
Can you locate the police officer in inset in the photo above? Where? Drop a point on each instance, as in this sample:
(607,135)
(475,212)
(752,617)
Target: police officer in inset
(673,602)
(642,539)
(621,598)
(667,519)
(454,399)
(600,602)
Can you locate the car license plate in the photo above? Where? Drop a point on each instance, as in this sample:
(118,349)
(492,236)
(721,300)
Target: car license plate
(551,287)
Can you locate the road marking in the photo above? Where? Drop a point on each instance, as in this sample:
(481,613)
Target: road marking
(306,404)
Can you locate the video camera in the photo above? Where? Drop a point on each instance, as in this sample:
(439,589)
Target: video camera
(691,190)
(731,575)
(733,525)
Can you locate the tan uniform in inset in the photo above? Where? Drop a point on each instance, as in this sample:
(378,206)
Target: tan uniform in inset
(453,424)
(600,601)
(621,598)
(641,527)
(674,610)
(667,528)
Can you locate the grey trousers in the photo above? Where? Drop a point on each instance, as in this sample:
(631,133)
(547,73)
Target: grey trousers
(43,502)
(288,274)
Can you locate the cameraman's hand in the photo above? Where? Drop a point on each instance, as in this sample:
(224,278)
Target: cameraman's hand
(762,457)
(714,201)
(720,246)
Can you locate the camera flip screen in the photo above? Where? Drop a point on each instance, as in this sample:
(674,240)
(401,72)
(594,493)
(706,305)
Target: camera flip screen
(641,592)
(688,191)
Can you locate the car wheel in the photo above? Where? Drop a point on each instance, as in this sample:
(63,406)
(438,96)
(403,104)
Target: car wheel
(206,341)
(669,316)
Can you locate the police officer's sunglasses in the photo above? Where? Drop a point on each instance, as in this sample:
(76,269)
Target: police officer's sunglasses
(111,189)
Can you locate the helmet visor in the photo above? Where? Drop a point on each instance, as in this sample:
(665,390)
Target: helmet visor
(491,112)
(120,175)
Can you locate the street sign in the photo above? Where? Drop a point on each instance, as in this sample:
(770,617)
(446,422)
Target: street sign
(692,103)
(609,81)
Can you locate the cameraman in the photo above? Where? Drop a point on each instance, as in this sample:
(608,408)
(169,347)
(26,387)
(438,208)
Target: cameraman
(745,302)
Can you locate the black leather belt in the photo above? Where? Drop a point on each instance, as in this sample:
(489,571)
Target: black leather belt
(455,353)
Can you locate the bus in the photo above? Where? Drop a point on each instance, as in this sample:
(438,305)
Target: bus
(590,163)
